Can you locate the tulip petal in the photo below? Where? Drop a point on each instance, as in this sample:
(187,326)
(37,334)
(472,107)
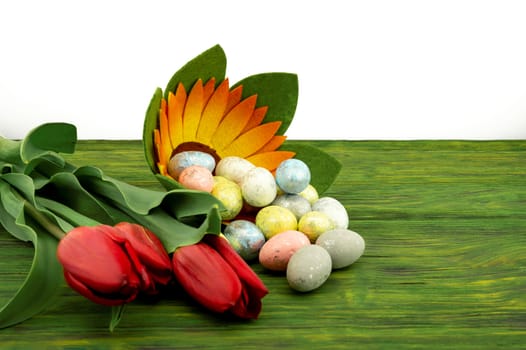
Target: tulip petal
(206,277)
(127,294)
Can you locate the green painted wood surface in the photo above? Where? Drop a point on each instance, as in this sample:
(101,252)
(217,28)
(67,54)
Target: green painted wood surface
(444,267)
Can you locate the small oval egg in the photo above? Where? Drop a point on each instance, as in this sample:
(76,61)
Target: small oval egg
(258,187)
(344,246)
(229,193)
(310,194)
(273,219)
(183,160)
(245,237)
(334,209)
(309,268)
(233,168)
(197,177)
(276,252)
(313,224)
(297,204)
(292,175)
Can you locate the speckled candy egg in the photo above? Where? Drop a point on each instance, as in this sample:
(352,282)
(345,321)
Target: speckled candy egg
(258,187)
(334,210)
(233,168)
(183,160)
(313,224)
(310,193)
(229,193)
(344,246)
(272,220)
(276,252)
(197,177)
(297,204)
(309,268)
(292,176)
(245,237)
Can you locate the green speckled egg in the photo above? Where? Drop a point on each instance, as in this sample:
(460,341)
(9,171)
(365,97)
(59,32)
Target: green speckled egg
(229,193)
(309,268)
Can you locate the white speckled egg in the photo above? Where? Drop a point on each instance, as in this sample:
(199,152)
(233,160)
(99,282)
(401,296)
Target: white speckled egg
(297,204)
(233,168)
(344,246)
(334,210)
(183,160)
(309,268)
(292,176)
(276,252)
(245,237)
(258,187)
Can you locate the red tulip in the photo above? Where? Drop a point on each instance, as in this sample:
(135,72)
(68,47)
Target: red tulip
(213,273)
(151,253)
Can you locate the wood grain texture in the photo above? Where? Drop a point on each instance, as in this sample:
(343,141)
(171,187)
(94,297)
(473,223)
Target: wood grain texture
(444,267)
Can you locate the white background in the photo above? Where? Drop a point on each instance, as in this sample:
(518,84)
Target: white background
(367,69)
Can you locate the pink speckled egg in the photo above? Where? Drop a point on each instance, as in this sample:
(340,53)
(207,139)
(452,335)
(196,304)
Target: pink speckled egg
(276,252)
(197,177)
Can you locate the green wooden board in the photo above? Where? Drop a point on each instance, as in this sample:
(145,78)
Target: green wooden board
(444,267)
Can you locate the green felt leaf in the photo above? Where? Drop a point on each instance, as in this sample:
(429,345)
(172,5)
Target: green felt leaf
(150,123)
(324,168)
(47,138)
(209,64)
(278,91)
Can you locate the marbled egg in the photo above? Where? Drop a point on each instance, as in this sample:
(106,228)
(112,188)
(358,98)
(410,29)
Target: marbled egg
(292,175)
(258,187)
(245,237)
(233,168)
(183,160)
(309,268)
(197,177)
(344,246)
(310,193)
(313,224)
(229,193)
(334,210)
(297,204)
(276,252)
(273,219)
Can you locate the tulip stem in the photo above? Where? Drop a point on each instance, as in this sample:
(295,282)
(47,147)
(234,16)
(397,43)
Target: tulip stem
(52,228)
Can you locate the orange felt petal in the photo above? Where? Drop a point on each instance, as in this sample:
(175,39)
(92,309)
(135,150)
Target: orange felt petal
(175,114)
(270,160)
(273,144)
(213,113)
(192,111)
(234,98)
(165,144)
(208,89)
(249,142)
(232,124)
(256,118)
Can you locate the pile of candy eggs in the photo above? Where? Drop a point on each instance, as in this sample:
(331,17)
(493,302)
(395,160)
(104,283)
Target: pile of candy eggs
(293,229)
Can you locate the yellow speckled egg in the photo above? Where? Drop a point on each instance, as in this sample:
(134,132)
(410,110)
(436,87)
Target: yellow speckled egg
(313,224)
(310,194)
(276,252)
(229,193)
(273,219)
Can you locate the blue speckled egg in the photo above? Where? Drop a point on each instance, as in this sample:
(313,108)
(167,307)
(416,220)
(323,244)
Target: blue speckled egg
(245,237)
(292,176)
(183,160)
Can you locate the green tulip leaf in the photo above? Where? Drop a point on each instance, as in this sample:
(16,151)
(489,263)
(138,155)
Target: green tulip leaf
(278,91)
(150,124)
(209,64)
(324,168)
(47,138)
(169,183)
(116,315)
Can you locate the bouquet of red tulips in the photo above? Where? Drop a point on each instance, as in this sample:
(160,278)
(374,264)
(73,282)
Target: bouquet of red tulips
(113,240)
